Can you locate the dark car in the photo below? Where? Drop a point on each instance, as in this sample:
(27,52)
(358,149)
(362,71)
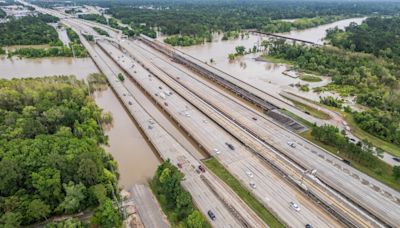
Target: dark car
(180,165)
(396,159)
(309,226)
(254,118)
(201,168)
(211,215)
(346,161)
(166,104)
(230,146)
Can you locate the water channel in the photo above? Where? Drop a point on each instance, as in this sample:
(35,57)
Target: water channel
(136,159)
(264,75)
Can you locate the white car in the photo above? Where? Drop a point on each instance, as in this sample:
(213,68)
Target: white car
(294,206)
(253,185)
(216,151)
(250,174)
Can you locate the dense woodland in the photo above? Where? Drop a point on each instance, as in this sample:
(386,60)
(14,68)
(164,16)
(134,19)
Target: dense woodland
(28,30)
(134,30)
(375,82)
(377,35)
(51,159)
(175,201)
(204,17)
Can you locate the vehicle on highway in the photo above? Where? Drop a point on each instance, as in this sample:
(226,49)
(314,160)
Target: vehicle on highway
(309,226)
(253,185)
(160,87)
(292,144)
(230,146)
(130,103)
(166,104)
(179,165)
(396,159)
(211,215)
(201,168)
(249,173)
(254,118)
(346,161)
(216,151)
(162,95)
(294,206)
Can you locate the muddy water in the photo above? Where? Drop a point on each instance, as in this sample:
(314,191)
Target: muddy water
(317,34)
(23,68)
(136,160)
(264,75)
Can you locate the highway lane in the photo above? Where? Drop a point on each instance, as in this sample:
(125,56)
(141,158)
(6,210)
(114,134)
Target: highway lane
(337,174)
(168,148)
(275,193)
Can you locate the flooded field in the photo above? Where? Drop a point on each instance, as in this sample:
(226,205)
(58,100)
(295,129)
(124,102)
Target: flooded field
(264,75)
(23,68)
(136,160)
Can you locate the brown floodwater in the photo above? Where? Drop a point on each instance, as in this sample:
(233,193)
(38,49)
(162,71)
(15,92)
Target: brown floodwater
(23,68)
(136,159)
(264,75)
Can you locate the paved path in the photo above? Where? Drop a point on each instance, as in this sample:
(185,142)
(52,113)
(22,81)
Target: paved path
(148,208)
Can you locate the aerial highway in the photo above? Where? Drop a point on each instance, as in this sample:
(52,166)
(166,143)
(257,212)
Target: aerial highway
(284,143)
(365,191)
(208,195)
(271,189)
(215,120)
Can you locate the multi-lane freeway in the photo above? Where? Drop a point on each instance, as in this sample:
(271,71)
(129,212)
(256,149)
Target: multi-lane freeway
(208,192)
(275,164)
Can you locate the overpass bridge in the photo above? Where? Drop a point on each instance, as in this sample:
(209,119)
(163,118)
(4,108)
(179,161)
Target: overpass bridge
(273,35)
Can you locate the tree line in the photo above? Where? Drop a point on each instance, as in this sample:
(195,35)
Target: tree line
(360,153)
(51,157)
(175,201)
(373,80)
(376,35)
(28,30)
(201,18)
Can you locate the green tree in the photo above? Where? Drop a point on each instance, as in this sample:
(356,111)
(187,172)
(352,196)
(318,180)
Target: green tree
(75,196)
(48,184)
(107,216)
(240,50)
(10,176)
(195,220)
(10,220)
(37,210)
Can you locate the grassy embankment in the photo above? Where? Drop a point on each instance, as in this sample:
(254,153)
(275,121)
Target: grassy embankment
(243,193)
(357,131)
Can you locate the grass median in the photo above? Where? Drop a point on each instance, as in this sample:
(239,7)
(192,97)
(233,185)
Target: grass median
(242,192)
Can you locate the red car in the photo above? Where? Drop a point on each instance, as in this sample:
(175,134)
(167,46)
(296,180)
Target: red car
(201,168)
